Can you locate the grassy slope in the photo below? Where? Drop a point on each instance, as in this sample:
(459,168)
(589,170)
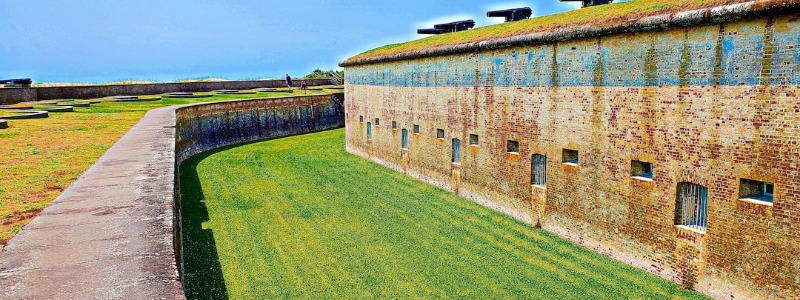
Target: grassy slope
(298,217)
(602,15)
(39,158)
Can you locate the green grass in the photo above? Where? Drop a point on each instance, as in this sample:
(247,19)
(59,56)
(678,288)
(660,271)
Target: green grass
(41,157)
(298,217)
(597,16)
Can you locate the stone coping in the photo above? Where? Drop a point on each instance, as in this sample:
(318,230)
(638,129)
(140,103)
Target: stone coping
(717,14)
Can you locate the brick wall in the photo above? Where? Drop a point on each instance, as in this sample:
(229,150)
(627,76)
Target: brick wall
(708,104)
(205,126)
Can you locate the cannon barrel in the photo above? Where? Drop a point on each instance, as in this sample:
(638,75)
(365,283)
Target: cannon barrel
(512,14)
(587,3)
(448,27)
(430,31)
(456,26)
(23,81)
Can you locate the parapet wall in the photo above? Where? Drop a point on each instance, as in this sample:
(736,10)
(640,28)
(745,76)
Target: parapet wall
(17,95)
(202,127)
(712,104)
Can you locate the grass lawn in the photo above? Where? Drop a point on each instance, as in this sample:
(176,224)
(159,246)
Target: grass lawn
(298,217)
(39,158)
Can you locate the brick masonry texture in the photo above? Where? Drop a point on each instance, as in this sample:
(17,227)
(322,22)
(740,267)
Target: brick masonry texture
(206,126)
(708,104)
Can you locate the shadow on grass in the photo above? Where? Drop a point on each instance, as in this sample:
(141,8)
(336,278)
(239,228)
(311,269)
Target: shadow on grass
(203,277)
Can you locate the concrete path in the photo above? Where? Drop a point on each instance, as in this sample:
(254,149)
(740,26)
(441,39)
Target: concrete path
(110,234)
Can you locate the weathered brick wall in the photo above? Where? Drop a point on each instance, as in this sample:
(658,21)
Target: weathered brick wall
(707,104)
(206,126)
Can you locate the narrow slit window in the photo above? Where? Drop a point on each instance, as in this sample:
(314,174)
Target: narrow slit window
(369,131)
(473,139)
(691,207)
(641,169)
(456,151)
(361,119)
(439,133)
(512,146)
(404,139)
(762,191)
(569,156)
(416,128)
(394,124)
(539,170)
(377,122)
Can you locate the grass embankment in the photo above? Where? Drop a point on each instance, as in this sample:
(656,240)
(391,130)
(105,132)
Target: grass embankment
(298,217)
(597,16)
(41,157)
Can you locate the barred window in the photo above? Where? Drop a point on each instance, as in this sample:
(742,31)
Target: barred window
(539,170)
(456,150)
(691,209)
(404,139)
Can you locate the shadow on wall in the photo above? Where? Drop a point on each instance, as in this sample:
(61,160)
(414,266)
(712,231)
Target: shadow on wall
(202,278)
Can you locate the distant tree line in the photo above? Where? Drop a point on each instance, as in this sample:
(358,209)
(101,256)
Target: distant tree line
(320,74)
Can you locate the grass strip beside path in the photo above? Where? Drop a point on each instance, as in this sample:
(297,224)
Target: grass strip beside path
(298,217)
(39,158)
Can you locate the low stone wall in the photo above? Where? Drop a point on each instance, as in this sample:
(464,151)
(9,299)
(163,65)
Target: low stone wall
(116,230)
(203,127)
(17,95)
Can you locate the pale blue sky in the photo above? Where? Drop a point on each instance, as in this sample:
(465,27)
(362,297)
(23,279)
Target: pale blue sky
(165,40)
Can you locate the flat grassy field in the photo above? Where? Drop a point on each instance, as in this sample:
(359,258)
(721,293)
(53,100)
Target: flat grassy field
(298,217)
(39,158)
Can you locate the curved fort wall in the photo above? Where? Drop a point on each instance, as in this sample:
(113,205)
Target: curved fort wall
(116,229)
(206,126)
(715,104)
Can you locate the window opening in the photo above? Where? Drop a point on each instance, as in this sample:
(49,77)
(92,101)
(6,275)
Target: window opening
(369,131)
(404,139)
(512,146)
(456,150)
(641,169)
(569,156)
(439,133)
(756,190)
(539,169)
(691,209)
(473,139)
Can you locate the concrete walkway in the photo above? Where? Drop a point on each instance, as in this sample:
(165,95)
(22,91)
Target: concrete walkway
(110,234)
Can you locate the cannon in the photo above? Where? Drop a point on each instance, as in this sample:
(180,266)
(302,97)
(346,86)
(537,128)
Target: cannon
(587,3)
(448,27)
(21,82)
(511,14)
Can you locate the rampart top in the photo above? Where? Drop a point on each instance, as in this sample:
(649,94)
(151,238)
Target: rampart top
(633,16)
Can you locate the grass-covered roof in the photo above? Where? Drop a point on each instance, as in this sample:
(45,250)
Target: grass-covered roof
(630,16)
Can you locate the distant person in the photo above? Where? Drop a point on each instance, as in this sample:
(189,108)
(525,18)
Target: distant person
(288,80)
(303,85)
